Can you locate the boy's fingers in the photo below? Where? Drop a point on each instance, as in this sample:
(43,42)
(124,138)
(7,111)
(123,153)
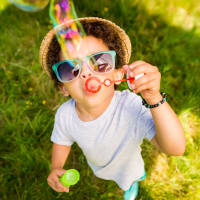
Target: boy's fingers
(143,69)
(58,187)
(150,85)
(61,187)
(53,186)
(145,79)
(125,68)
(54,183)
(66,190)
(60,172)
(138,62)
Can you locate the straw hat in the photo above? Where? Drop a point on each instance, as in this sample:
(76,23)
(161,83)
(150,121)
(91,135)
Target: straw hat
(122,36)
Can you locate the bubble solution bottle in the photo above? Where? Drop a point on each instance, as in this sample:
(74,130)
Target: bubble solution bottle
(70,177)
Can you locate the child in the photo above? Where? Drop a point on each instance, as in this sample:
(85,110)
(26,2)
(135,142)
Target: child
(109,125)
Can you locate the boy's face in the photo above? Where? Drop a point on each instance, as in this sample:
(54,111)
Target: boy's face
(76,88)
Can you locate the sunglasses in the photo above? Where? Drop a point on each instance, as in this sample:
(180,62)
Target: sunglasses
(70,69)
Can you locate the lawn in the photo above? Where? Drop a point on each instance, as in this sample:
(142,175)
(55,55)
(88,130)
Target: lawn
(165,33)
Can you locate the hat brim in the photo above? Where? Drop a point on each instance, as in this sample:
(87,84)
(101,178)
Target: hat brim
(125,41)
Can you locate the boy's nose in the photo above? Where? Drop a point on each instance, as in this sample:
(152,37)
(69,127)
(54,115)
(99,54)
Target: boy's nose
(85,72)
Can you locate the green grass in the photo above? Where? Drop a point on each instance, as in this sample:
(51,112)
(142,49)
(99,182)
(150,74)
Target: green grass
(164,33)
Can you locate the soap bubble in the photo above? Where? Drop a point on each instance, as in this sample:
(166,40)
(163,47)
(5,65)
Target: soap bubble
(30,5)
(68,29)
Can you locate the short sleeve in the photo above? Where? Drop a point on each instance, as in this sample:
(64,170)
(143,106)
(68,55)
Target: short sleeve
(144,127)
(60,134)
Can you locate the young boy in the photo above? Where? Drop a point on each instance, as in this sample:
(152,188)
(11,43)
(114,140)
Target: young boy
(109,125)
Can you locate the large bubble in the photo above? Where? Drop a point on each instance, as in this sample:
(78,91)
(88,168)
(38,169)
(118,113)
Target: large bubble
(69,30)
(30,5)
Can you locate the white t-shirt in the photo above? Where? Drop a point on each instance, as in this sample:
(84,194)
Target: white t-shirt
(110,143)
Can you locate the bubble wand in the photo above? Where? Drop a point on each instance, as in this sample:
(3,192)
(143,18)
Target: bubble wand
(93,84)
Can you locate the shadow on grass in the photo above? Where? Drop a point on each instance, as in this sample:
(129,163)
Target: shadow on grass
(175,51)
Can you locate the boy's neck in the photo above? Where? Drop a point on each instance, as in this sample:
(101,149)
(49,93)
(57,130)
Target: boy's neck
(92,113)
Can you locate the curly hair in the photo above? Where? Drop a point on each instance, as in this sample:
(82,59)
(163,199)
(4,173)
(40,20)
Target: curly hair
(96,29)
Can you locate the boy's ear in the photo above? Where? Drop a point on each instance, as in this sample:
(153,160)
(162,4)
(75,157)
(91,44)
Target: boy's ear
(118,75)
(64,90)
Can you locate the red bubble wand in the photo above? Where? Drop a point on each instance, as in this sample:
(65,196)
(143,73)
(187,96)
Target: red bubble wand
(107,82)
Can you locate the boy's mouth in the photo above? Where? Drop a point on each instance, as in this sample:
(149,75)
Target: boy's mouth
(93,84)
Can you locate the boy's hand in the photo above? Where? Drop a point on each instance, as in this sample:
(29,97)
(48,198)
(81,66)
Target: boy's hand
(53,180)
(149,84)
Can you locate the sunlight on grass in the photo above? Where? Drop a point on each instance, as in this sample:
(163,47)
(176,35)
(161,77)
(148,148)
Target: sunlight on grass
(176,13)
(178,176)
(165,179)
(160,168)
(185,20)
(4,4)
(190,122)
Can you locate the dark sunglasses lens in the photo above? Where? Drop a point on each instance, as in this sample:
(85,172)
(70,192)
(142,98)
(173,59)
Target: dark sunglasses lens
(67,71)
(102,62)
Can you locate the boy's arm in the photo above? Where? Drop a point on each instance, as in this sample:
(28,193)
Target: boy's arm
(59,155)
(169,136)
(169,133)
